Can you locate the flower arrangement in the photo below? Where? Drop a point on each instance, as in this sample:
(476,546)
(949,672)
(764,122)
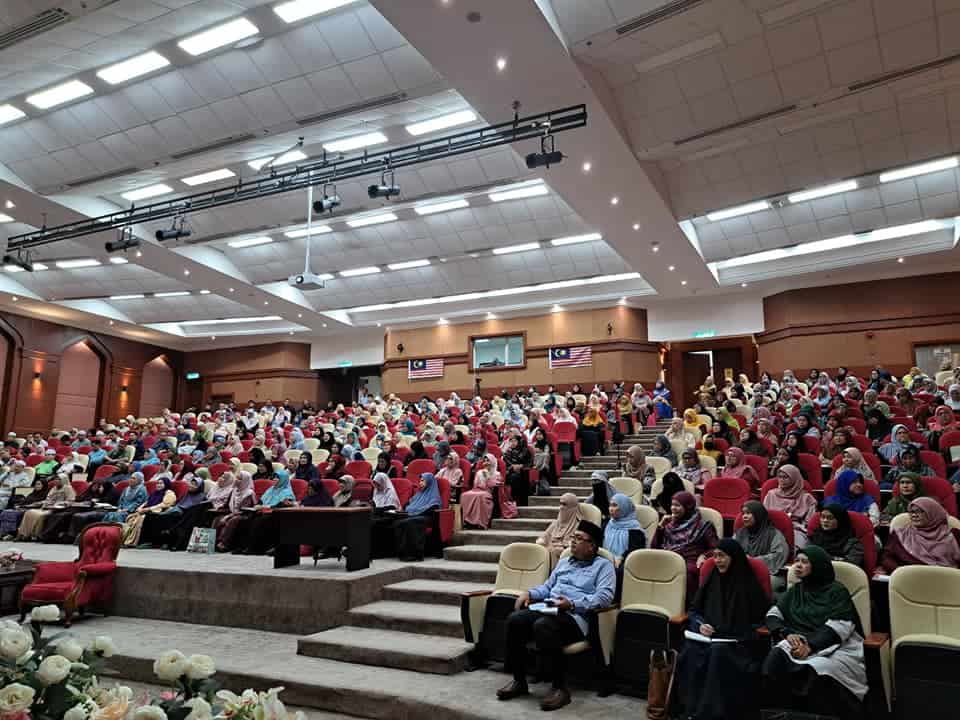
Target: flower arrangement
(9,558)
(56,679)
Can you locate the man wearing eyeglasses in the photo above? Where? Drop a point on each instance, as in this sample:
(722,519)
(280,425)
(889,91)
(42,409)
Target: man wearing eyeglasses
(578,585)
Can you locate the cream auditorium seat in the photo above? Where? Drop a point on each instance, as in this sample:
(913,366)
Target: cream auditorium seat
(580,400)
(708,463)
(657,486)
(706,421)
(591,513)
(661,466)
(319,456)
(679,446)
(293,455)
(463,429)
(631,487)
(715,518)
(370,454)
(248,467)
(311,443)
(649,521)
(277,466)
(943,377)
(605,628)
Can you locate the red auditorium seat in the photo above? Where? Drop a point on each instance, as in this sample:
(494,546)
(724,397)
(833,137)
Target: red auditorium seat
(862,443)
(299,488)
(86,582)
(935,461)
(363,491)
(331,485)
(780,520)
(360,469)
(104,471)
(460,450)
(811,444)
(404,490)
(810,469)
(863,529)
(179,488)
(726,495)
(939,489)
(260,487)
(79,486)
(759,465)
(416,468)
(566,433)
(149,471)
(857,424)
(759,570)
(218,469)
(34,460)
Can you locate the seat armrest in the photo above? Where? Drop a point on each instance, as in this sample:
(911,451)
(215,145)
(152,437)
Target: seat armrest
(875,641)
(51,572)
(607,630)
(476,593)
(100,568)
(473,608)
(678,619)
(763,631)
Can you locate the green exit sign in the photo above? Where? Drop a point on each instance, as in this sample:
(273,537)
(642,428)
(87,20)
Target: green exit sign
(193,376)
(345,363)
(704,333)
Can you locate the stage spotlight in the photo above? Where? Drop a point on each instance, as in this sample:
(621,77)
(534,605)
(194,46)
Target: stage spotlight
(387,188)
(15,261)
(327,203)
(547,156)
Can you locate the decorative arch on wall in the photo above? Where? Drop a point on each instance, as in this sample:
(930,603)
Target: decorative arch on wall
(78,400)
(158,384)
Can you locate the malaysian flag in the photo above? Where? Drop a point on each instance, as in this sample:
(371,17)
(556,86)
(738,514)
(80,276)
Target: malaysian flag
(571,357)
(424,369)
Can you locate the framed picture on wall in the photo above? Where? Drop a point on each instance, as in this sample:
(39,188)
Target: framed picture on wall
(498,352)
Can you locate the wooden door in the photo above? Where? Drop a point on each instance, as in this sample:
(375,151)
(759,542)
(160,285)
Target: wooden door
(696,367)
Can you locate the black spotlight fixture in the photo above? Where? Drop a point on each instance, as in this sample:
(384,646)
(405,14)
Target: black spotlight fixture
(177,231)
(387,188)
(125,241)
(18,262)
(547,156)
(330,200)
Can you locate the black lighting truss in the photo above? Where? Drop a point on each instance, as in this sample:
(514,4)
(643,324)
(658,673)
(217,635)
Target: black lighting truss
(325,170)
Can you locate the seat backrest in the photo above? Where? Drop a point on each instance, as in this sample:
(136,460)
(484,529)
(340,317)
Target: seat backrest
(855,580)
(104,471)
(655,579)
(100,542)
(708,463)
(631,487)
(935,461)
(863,530)
(759,465)
(924,599)
(565,431)
(661,466)
(522,566)
(358,469)
(657,487)
(260,487)
(319,456)
(331,486)
(591,513)
(179,488)
(678,446)
(780,520)
(416,468)
(362,491)
(299,488)
(773,482)
(726,495)
(649,521)
(810,469)
(858,424)
(370,454)
(714,517)
(811,444)
(404,490)
(760,571)
(289,455)
(218,469)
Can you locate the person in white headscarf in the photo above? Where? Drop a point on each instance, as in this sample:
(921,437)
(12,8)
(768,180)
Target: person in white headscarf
(384,494)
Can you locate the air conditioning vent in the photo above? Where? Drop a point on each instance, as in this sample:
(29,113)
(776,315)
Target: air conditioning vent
(659,15)
(36,25)
(898,74)
(215,145)
(739,124)
(100,178)
(350,109)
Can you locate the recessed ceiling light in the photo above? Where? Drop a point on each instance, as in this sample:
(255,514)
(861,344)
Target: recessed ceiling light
(9,204)
(355,142)
(139,254)
(574,239)
(186,272)
(556,309)
(284,159)
(225,34)
(204,292)
(491,316)
(324,325)
(231,321)
(516,248)
(230,289)
(5,218)
(900,260)
(461,117)
(587,166)
(636,226)
(528,188)
(442,206)
(251,242)
(132,68)
(824,191)
(59,94)
(9,113)
(295,10)
(213,337)
(921,169)
(147,192)
(371,220)
(207,177)
(314,230)
(266,302)
(135,296)
(40,266)
(409,264)
(441,321)
(683,282)
(172,293)
(501,64)
(379,325)
(78,263)
(743,284)
(738,210)
(615,200)
(14,298)
(291,332)
(370,270)
(655,247)
(671,268)
(118,260)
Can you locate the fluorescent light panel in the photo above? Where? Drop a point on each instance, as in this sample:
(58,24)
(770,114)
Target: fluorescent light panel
(13,268)
(921,169)
(284,159)
(824,191)
(409,264)
(574,239)
(370,270)
(78,263)
(441,206)
(443,122)
(59,94)
(135,296)
(147,192)
(679,52)
(738,210)
(9,113)
(315,230)
(4,218)
(371,220)
(516,248)
(40,266)
(226,321)
(174,293)
(225,34)
(251,242)
(132,68)
(116,260)
(208,177)
(295,10)
(527,189)
(355,142)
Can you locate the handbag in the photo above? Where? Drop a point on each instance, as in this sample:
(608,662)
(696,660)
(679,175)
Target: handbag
(202,540)
(663,664)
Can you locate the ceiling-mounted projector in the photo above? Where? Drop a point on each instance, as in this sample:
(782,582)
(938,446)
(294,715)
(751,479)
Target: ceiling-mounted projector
(306,281)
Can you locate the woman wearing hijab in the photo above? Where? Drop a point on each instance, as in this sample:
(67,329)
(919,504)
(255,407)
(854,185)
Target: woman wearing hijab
(256,528)
(10,519)
(163,498)
(623,519)
(57,526)
(927,540)
(718,679)
(663,448)
(817,663)
(835,536)
(385,465)
(637,467)
(344,494)
(175,524)
(384,494)
(477,502)
(305,469)
(134,495)
(591,433)
(853,460)
(556,538)
(760,539)
(477,450)
(410,533)
(790,497)
(242,497)
(852,496)
(519,460)
(749,442)
(602,491)
(677,431)
(899,441)
(670,486)
(335,466)
(728,419)
(31,525)
(910,488)
(317,495)
(453,474)
(416,453)
(690,469)
(441,453)
(686,532)
(691,423)
(736,466)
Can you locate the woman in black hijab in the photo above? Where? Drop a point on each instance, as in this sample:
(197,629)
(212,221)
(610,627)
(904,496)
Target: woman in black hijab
(835,535)
(306,470)
(416,453)
(385,465)
(672,484)
(519,460)
(718,680)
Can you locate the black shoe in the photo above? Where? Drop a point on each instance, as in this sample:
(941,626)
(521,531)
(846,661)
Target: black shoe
(514,690)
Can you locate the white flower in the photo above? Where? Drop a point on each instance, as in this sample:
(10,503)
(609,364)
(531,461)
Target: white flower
(77,712)
(15,642)
(45,613)
(199,709)
(103,645)
(9,625)
(70,649)
(15,698)
(171,665)
(271,708)
(200,667)
(53,669)
(149,712)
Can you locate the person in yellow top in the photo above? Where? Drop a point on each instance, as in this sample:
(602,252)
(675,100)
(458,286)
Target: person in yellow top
(159,500)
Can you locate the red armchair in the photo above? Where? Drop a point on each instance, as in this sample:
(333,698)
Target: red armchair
(88,581)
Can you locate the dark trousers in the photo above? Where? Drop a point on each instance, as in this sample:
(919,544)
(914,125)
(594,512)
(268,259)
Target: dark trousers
(792,686)
(550,633)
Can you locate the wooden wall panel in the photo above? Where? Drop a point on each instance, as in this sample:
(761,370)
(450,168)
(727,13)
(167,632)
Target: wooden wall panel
(157,388)
(76,403)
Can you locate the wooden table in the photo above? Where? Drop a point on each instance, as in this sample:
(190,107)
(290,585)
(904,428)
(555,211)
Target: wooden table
(323,527)
(12,581)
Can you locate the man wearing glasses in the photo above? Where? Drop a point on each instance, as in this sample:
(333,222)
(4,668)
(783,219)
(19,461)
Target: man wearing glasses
(554,614)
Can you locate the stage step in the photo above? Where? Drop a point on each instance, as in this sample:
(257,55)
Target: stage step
(437,592)
(541,512)
(495,537)
(388,648)
(522,523)
(411,617)
(474,553)
(554,500)
(456,571)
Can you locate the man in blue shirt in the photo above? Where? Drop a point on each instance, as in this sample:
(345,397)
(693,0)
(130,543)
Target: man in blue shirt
(581,583)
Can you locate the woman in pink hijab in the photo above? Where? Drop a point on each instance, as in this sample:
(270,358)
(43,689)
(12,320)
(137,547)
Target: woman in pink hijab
(790,497)
(927,540)
(737,466)
(477,502)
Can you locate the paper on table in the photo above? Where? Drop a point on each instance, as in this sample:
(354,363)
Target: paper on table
(697,637)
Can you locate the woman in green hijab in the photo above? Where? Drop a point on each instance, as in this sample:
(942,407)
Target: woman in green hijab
(816,664)
(910,487)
